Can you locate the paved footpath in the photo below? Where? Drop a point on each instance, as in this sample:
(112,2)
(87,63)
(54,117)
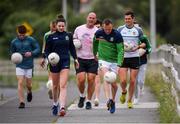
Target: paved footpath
(39,110)
(144,112)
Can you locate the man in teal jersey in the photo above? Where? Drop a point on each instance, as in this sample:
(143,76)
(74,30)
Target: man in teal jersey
(29,48)
(108,44)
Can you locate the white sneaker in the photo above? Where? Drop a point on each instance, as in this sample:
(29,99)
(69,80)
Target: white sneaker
(136,101)
(96,102)
(141,91)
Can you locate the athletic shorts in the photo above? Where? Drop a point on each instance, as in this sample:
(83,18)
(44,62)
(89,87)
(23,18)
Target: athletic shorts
(87,65)
(110,66)
(132,63)
(63,64)
(24,72)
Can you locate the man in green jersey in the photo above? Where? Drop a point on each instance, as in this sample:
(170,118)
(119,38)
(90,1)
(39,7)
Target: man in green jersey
(108,44)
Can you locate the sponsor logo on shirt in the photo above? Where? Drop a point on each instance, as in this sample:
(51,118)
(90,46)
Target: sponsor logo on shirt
(55,38)
(101,37)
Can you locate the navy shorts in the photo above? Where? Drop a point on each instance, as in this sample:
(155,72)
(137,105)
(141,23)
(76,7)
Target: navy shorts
(87,65)
(63,64)
(132,63)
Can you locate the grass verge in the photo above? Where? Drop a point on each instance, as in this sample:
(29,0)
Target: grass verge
(162,91)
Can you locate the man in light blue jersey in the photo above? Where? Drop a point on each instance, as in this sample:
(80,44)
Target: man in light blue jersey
(131,35)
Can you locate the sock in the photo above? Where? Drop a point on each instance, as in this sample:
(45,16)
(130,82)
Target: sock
(88,100)
(55,103)
(81,95)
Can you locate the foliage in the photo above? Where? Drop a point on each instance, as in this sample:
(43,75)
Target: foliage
(109,9)
(39,12)
(162,91)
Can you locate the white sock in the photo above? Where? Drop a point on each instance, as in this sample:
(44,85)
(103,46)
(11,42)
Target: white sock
(55,103)
(81,95)
(88,100)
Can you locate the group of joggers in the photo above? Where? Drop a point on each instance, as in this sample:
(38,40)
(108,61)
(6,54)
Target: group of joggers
(102,49)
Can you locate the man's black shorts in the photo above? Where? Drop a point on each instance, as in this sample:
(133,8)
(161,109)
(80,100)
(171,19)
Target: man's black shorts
(87,65)
(132,63)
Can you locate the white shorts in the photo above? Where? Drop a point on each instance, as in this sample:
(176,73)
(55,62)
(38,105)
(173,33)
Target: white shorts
(110,66)
(24,72)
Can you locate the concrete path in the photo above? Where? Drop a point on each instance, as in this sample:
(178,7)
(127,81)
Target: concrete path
(144,112)
(39,110)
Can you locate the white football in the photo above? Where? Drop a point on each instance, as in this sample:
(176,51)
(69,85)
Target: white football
(142,51)
(77,43)
(127,46)
(49,84)
(16,58)
(110,77)
(53,58)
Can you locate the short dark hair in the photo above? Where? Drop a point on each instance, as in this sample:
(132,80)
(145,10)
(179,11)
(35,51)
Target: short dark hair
(98,21)
(53,22)
(107,21)
(21,29)
(129,12)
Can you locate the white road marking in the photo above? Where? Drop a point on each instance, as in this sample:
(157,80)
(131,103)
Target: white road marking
(118,105)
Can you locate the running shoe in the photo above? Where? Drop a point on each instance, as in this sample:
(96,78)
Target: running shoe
(22,105)
(130,105)
(88,105)
(123,98)
(136,101)
(55,109)
(112,107)
(62,112)
(109,102)
(96,102)
(29,96)
(50,94)
(81,102)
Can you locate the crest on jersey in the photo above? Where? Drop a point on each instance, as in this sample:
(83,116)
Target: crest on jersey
(67,38)
(111,39)
(134,33)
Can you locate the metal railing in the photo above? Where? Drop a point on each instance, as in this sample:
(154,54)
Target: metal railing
(168,56)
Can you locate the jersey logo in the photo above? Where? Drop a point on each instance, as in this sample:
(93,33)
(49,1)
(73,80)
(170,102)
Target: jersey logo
(55,38)
(111,39)
(101,37)
(67,38)
(134,33)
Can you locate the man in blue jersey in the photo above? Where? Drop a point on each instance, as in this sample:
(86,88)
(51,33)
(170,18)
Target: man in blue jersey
(29,48)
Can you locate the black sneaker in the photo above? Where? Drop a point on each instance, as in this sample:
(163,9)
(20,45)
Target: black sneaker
(50,94)
(88,105)
(81,102)
(112,108)
(29,96)
(109,104)
(22,105)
